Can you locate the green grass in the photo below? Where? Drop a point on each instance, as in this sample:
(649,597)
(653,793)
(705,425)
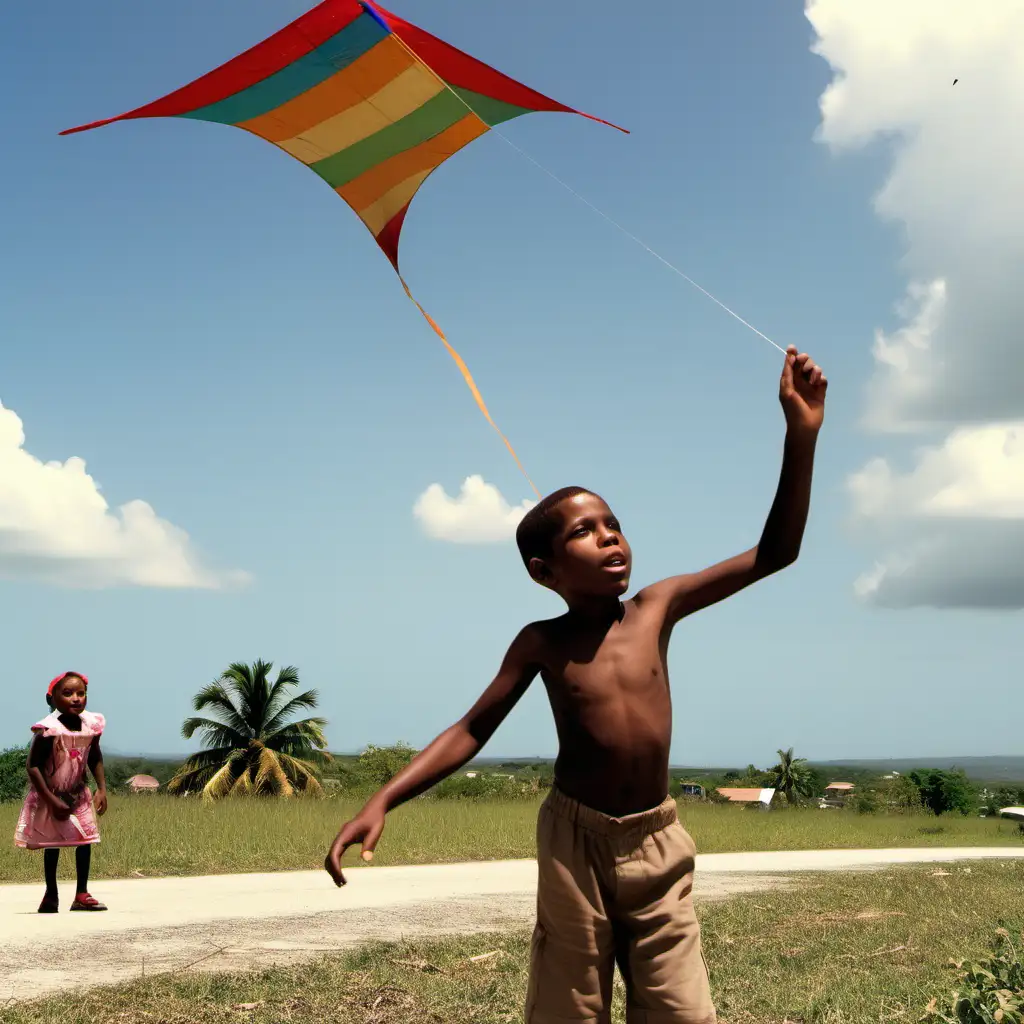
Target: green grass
(160,835)
(854,949)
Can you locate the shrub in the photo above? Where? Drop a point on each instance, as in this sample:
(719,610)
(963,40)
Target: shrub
(379,765)
(481,787)
(13,779)
(865,802)
(990,991)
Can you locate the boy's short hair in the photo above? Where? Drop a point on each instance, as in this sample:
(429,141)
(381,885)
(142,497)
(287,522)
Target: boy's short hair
(537,529)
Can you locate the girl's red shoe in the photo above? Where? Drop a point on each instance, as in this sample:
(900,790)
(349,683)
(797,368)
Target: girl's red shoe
(83,901)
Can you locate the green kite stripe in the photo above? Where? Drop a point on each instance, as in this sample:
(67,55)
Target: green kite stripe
(432,118)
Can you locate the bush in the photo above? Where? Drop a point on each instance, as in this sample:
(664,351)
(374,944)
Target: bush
(13,779)
(901,794)
(379,765)
(988,992)
(865,802)
(482,787)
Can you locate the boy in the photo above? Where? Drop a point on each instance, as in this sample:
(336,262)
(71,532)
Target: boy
(615,865)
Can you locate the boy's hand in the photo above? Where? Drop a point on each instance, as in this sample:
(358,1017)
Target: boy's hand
(802,392)
(364,828)
(99,802)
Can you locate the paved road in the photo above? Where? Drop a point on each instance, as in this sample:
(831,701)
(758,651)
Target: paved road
(233,921)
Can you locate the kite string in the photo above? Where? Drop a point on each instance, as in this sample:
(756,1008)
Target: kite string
(628,233)
(583,199)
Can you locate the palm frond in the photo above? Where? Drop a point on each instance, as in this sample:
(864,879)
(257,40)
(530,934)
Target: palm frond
(216,698)
(301,772)
(301,739)
(223,779)
(287,677)
(304,701)
(214,732)
(198,767)
(270,770)
(243,784)
(251,686)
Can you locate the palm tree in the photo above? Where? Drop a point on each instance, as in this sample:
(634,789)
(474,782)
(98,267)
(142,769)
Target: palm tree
(793,776)
(251,746)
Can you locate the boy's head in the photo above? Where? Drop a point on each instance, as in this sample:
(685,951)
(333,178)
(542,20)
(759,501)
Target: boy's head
(67,694)
(572,543)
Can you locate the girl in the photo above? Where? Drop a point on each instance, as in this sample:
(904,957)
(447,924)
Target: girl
(59,808)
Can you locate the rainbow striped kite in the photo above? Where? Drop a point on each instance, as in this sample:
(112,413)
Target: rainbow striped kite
(369,102)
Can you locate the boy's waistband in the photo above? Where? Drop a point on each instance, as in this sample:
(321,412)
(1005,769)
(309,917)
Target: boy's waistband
(643,822)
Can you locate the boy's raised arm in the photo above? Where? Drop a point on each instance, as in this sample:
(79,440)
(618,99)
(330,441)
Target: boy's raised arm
(450,751)
(802,394)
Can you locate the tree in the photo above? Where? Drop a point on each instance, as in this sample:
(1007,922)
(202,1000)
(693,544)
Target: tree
(379,765)
(943,791)
(13,773)
(901,794)
(252,746)
(792,776)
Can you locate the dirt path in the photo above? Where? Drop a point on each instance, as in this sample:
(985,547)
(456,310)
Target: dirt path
(232,922)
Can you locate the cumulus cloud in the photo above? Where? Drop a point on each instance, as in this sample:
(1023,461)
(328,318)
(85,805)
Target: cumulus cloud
(953,368)
(56,527)
(976,473)
(479,514)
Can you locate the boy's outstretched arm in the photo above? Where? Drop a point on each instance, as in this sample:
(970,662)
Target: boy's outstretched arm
(802,393)
(446,754)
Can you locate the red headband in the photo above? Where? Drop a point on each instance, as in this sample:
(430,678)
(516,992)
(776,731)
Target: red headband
(54,683)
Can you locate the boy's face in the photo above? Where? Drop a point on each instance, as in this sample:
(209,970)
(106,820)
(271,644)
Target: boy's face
(589,555)
(69,696)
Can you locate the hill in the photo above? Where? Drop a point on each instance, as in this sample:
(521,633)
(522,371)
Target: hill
(994,768)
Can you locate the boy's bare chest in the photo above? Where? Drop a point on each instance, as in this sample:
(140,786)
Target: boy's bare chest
(627,659)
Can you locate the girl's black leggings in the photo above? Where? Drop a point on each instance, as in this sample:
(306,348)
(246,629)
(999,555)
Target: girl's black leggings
(83,858)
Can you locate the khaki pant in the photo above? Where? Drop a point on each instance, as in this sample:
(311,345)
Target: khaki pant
(615,890)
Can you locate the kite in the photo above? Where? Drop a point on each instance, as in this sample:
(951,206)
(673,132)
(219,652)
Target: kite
(370,103)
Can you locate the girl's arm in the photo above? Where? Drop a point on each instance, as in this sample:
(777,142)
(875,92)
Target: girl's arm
(38,757)
(96,767)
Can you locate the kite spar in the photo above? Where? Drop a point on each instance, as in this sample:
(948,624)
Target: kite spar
(372,104)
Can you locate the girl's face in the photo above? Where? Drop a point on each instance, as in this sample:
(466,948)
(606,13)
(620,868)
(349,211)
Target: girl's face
(69,696)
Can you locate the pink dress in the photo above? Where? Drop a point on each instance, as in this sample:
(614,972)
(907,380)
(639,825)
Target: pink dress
(38,828)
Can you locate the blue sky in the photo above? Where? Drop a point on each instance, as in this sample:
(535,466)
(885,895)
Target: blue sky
(214,333)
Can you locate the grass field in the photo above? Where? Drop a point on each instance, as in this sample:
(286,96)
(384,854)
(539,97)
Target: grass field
(849,949)
(158,835)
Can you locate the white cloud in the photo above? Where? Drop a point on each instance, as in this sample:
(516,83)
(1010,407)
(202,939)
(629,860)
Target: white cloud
(955,366)
(977,473)
(56,527)
(478,515)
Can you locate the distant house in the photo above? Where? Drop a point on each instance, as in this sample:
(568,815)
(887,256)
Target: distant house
(836,794)
(840,787)
(751,797)
(691,789)
(143,784)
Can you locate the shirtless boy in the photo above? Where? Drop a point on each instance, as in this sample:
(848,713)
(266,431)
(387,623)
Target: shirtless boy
(615,864)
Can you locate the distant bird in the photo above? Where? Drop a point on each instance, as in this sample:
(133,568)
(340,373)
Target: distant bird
(955,80)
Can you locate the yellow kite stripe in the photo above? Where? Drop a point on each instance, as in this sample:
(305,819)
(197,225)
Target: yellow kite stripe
(370,186)
(349,87)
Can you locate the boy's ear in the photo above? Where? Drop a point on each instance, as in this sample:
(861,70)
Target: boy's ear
(540,572)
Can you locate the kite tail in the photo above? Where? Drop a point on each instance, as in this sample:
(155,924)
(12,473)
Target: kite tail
(464,370)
